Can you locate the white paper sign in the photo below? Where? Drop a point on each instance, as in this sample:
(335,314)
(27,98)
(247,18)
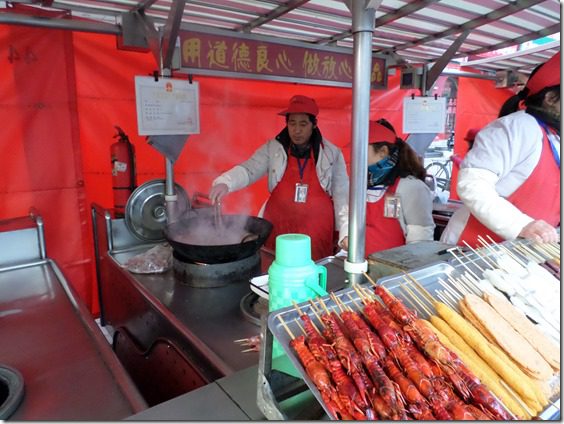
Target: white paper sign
(167,106)
(424,115)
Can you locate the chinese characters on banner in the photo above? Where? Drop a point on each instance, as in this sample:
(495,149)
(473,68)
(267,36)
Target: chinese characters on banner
(222,53)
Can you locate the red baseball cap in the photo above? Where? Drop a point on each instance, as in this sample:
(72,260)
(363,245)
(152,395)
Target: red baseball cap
(301,104)
(378,133)
(547,76)
(471,134)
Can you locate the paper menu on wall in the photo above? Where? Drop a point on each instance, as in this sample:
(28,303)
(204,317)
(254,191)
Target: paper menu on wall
(424,114)
(167,106)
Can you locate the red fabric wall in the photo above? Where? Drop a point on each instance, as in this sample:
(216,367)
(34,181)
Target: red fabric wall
(41,156)
(61,100)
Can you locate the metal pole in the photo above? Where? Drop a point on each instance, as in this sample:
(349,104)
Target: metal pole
(362,28)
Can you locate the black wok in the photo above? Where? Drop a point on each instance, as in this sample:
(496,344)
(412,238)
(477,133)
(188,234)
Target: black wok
(201,239)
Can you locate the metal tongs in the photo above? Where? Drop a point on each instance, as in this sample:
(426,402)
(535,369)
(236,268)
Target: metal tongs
(217,216)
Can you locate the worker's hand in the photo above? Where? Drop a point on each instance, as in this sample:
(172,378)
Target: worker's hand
(344,244)
(540,231)
(217,192)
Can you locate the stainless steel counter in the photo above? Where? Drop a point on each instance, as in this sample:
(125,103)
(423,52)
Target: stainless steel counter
(209,317)
(200,324)
(69,371)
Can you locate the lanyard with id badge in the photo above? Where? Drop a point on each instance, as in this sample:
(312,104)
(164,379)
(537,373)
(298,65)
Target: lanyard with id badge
(300,195)
(392,206)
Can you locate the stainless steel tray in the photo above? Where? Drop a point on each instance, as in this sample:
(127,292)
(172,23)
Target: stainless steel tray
(427,276)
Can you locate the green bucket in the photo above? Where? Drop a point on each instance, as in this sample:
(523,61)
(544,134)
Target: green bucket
(293,276)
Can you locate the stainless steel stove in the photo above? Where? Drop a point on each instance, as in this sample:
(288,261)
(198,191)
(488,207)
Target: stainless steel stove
(190,315)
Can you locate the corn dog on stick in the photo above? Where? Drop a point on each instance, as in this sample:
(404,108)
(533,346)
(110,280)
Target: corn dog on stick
(491,382)
(474,338)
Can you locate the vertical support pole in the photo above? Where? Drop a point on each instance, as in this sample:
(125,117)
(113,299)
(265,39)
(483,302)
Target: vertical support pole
(363,14)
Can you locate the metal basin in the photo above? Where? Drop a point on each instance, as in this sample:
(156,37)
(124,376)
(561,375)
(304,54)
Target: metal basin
(11,391)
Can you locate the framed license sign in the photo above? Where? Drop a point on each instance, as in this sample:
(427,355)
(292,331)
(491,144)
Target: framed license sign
(167,106)
(424,114)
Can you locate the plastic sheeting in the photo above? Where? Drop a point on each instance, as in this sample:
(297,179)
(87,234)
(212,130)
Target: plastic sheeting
(64,92)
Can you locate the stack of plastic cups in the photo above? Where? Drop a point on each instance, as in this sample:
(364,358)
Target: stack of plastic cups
(293,276)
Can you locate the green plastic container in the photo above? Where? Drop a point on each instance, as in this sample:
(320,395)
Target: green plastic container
(293,276)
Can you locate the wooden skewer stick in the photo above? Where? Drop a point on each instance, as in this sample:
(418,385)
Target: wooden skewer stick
(484,258)
(354,302)
(493,252)
(324,306)
(420,287)
(336,301)
(449,288)
(554,248)
(318,318)
(360,293)
(417,300)
(517,398)
(463,264)
(368,294)
(370,280)
(470,283)
(462,287)
(313,305)
(534,255)
(555,244)
(296,306)
(300,325)
(540,249)
(469,289)
(286,327)
(506,250)
(445,300)
(408,299)
(526,254)
(548,249)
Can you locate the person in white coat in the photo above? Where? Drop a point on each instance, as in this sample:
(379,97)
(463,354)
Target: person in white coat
(509,181)
(307,180)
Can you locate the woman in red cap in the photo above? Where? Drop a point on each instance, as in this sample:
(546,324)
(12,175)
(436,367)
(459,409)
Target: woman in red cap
(307,179)
(399,203)
(510,180)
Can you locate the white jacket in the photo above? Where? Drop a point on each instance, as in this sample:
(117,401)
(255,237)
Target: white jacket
(271,159)
(504,155)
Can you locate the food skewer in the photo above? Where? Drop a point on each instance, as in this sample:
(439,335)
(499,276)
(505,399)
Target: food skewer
(445,297)
(525,253)
(470,283)
(448,288)
(504,249)
(421,289)
(463,264)
(410,293)
(541,248)
(484,258)
(517,398)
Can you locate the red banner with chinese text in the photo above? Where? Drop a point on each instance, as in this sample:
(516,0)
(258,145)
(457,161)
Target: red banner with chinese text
(244,57)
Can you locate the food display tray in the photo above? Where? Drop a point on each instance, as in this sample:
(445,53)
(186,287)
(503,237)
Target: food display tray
(289,317)
(428,277)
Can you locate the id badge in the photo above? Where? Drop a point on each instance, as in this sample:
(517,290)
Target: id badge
(392,206)
(300,196)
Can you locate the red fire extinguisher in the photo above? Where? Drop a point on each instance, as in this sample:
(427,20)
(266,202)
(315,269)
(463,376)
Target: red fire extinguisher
(123,170)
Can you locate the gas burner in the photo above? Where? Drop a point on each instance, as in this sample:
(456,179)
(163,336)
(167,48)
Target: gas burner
(253,307)
(215,275)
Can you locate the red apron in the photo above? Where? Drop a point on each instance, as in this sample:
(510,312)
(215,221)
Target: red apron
(381,232)
(315,217)
(538,197)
